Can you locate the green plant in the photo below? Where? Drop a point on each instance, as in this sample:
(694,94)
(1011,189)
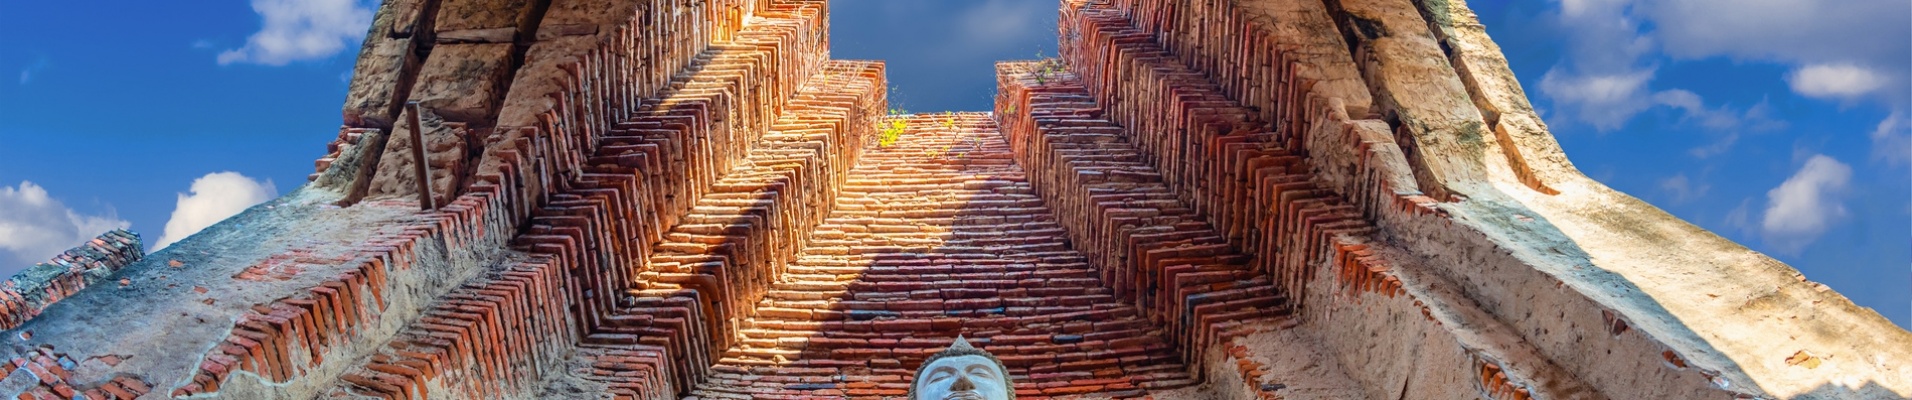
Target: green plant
(933,153)
(892,132)
(1046,68)
(949,120)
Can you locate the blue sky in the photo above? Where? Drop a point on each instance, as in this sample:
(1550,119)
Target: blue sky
(1780,124)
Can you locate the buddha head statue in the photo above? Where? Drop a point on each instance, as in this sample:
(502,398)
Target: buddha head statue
(962,372)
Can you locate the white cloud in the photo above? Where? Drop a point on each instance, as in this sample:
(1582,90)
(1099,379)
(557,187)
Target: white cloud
(34,226)
(26,74)
(1696,110)
(1683,189)
(1844,49)
(1794,31)
(1604,37)
(1605,101)
(998,21)
(1725,122)
(1873,36)
(1717,147)
(1740,217)
(1605,78)
(214,198)
(301,30)
(1807,204)
(1836,81)
(1892,141)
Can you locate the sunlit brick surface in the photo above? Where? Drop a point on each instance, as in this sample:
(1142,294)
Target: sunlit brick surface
(701,279)
(937,235)
(1154,249)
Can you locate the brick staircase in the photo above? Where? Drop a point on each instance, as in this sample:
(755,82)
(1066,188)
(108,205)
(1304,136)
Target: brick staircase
(1155,250)
(937,235)
(1093,251)
(1252,178)
(701,279)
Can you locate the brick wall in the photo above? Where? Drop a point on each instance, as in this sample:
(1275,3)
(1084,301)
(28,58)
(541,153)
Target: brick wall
(26,293)
(563,197)
(1246,169)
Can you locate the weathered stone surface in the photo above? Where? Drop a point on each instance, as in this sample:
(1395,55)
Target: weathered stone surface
(347,169)
(538,84)
(1681,273)
(588,17)
(537,91)
(448,148)
(459,89)
(401,19)
(484,21)
(1520,209)
(1417,91)
(385,69)
(388,61)
(465,82)
(1533,154)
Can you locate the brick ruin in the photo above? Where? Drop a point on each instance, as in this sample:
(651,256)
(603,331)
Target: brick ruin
(660,199)
(29,291)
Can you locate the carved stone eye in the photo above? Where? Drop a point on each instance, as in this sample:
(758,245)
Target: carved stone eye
(941,375)
(982,372)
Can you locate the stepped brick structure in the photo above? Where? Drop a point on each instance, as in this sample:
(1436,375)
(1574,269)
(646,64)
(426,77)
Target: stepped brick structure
(688,199)
(26,293)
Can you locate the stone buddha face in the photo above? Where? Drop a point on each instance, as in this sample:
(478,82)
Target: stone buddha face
(962,373)
(969,377)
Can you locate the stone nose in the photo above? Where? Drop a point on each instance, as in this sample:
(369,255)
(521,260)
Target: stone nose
(962,383)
